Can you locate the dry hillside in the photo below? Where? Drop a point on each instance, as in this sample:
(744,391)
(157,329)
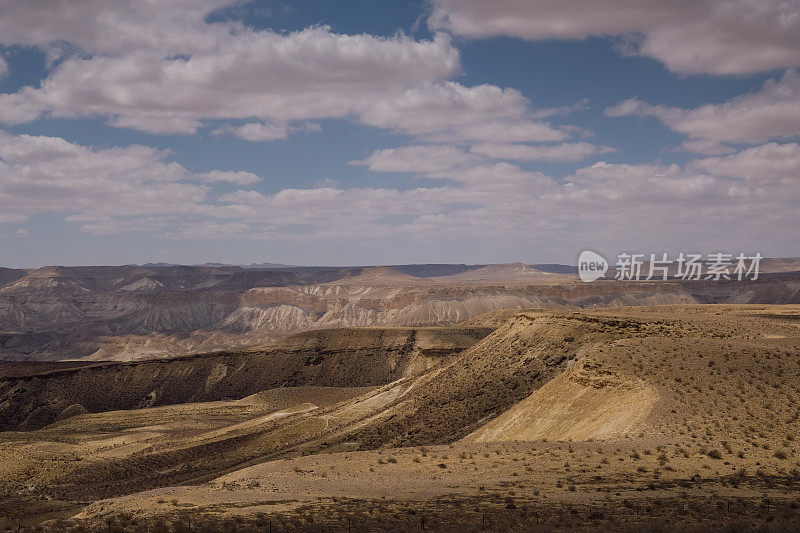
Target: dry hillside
(571,419)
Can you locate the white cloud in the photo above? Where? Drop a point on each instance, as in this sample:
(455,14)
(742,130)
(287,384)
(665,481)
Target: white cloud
(394,83)
(100,187)
(160,67)
(257,131)
(451,112)
(274,77)
(217,176)
(643,206)
(646,184)
(422,159)
(705,147)
(114,26)
(768,162)
(654,207)
(21,233)
(772,112)
(163,69)
(166,123)
(323,209)
(553,19)
(136,189)
(495,180)
(476,173)
(688,36)
(729,37)
(17,108)
(556,152)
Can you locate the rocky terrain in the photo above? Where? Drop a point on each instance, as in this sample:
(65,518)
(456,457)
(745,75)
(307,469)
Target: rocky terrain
(131,312)
(651,417)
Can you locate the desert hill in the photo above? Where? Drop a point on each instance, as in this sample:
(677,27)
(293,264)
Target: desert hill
(622,407)
(379,275)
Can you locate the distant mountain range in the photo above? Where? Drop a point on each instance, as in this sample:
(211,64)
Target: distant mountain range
(418,270)
(160,310)
(257,266)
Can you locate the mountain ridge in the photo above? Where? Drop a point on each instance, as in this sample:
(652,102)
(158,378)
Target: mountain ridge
(140,312)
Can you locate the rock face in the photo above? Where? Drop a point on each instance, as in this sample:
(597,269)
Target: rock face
(130,312)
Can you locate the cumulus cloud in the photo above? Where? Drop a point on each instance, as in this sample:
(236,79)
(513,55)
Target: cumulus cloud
(645,205)
(17,108)
(422,159)
(166,70)
(136,189)
(768,162)
(115,26)
(772,112)
(321,209)
(100,187)
(451,112)
(312,73)
(163,68)
(668,207)
(554,153)
(729,37)
(643,184)
(217,176)
(688,36)
(554,19)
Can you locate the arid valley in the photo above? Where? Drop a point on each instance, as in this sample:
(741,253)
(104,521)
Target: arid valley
(493,397)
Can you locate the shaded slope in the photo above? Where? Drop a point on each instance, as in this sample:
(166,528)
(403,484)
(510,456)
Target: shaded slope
(331,358)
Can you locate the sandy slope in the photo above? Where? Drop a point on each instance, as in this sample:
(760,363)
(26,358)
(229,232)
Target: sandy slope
(579,404)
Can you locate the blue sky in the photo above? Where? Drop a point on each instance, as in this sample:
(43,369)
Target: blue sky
(396,132)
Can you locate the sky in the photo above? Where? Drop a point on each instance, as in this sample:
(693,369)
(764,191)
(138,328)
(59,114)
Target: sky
(425,131)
